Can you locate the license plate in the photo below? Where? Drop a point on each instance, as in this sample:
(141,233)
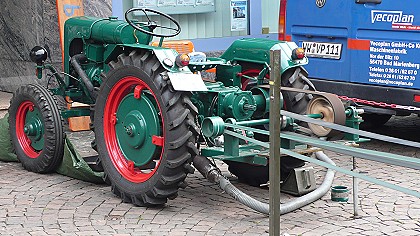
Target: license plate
(322,50)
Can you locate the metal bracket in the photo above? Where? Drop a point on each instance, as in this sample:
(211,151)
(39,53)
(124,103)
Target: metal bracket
(300,181)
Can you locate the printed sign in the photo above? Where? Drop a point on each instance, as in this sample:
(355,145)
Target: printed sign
(239,15)
(398,19)
(146,3)
(186,2)
(394,63)
(166,3)
(204,2)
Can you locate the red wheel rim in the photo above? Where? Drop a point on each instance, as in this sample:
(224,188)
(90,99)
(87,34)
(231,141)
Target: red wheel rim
(23,139)
(125,167)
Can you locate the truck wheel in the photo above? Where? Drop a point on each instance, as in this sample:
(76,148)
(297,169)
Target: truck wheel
(295,102)
(36,129)
(145,130)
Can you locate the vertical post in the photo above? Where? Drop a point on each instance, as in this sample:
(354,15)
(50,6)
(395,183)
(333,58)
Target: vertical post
(355,191)
(274,169)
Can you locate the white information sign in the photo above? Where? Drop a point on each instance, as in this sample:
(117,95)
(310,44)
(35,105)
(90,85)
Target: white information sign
(205,2)
(164,3)
(239,15)
(174,7)
(146,3)
(186,2)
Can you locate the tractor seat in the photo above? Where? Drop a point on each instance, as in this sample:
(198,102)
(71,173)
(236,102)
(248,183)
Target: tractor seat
(181,46)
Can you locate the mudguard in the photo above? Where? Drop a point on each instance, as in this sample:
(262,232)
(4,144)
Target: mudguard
(182,78)
(256,50)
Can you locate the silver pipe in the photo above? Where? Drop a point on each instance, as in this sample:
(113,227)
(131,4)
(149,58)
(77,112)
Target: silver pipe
(355,190)
(214,175)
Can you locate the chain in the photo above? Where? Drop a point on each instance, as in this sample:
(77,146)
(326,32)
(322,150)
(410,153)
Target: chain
(380,104)
(357,100)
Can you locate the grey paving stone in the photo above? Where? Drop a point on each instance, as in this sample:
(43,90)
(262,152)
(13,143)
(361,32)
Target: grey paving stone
(34,204)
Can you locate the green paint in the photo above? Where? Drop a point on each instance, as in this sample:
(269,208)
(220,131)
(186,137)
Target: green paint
(256,50)
(34,128)
(137,123)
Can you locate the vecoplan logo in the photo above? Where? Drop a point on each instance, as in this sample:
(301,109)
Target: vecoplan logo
(394,17)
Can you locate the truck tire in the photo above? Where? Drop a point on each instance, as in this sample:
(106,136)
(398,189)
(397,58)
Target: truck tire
(145,131)
(255,175)
(36,129)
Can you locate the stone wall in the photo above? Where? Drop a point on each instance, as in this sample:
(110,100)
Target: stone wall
(25,24)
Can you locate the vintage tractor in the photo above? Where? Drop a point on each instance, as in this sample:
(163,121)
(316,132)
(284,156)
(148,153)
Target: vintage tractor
(151,111)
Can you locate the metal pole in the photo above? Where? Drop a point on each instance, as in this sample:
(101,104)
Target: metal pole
(274,170)
(355,191)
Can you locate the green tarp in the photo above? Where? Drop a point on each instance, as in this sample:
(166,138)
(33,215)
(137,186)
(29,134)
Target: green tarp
(73,164)
(6,149)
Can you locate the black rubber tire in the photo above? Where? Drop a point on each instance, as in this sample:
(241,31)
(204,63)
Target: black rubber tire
(371,120)
(295,102)
(178,114)
(51,156)
(98,166)
(296,78)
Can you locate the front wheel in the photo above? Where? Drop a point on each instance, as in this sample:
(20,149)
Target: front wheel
(36,129)
(145,131)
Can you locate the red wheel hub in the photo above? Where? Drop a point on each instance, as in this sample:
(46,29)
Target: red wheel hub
(22,137)
(124,164)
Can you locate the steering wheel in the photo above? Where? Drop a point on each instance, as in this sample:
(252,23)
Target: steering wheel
(152,25)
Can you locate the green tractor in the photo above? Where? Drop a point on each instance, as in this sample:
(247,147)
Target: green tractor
(151,111)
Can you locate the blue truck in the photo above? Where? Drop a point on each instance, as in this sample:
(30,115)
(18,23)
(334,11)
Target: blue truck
(365,51)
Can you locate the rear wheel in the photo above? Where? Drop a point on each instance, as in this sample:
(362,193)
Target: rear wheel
(255,175)
(145,131)
(293,78)
(293,101)
(36,129)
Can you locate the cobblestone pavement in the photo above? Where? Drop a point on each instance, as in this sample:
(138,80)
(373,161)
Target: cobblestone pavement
(51,204)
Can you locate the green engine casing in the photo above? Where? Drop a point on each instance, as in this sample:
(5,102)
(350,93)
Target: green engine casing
(97,37)
(257,51)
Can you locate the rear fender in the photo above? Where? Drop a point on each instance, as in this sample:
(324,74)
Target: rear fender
(257,51)
(182,79)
